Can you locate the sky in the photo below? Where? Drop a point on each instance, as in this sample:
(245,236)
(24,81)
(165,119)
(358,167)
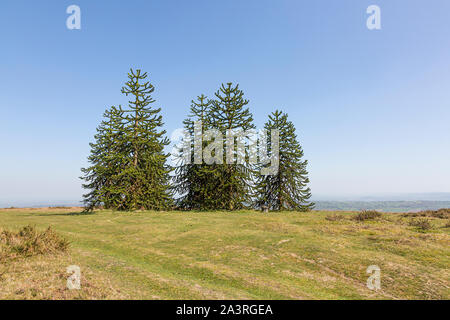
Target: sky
(371,107)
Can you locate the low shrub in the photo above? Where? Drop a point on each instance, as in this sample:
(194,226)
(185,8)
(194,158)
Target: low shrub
(422,224)
(441,214)
(367,215)
(335,217)
(29,242)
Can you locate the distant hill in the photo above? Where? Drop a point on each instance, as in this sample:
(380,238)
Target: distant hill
(425,196)
(386,206)
(39,204)
(401,202)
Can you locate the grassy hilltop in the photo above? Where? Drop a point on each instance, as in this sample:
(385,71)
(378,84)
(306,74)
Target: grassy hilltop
(230,255)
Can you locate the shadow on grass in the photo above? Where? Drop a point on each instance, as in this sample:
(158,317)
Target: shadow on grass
(82,213)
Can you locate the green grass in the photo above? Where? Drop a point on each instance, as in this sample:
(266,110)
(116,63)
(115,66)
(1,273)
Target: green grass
(223,255)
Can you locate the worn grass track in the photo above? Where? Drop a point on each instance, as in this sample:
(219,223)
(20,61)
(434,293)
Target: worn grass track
(222,255)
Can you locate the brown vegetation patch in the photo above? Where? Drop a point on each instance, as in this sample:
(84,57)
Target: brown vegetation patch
(367,215)
(335,217)
(422,224)
(440,214)
(29,242)
(44,277)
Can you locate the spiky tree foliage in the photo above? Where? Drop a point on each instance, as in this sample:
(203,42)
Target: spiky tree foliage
(288,188)
(216,186)
(228,112)
(146,178)
(141,180)
(106,162)
(191,183)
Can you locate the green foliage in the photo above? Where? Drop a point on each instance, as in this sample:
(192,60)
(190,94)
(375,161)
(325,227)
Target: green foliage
(107,161)
(128,168)
(192,181)
(232,187)
(286,190)
(216,186)
(128,165)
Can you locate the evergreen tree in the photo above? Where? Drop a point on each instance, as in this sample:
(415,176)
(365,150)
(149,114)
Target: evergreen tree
(106,162)
(145,181)
(219,185)
(129,170)
(191,182)
(286,190)
(228,112)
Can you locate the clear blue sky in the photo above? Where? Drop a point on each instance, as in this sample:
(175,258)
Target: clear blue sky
(372,108)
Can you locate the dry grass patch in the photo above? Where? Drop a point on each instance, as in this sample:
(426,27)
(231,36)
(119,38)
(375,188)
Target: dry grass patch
(29,242)
(44,277)
(34,264)
(335,217)
(367,215)
(440,214)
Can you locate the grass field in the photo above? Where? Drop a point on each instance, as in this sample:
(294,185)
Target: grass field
(222,255)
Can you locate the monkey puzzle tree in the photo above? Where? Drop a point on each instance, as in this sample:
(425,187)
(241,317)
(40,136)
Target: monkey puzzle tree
(140,179)
(190,182)
(106,162)
(212,179)
(228,114)
(287,189)
(146,178)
